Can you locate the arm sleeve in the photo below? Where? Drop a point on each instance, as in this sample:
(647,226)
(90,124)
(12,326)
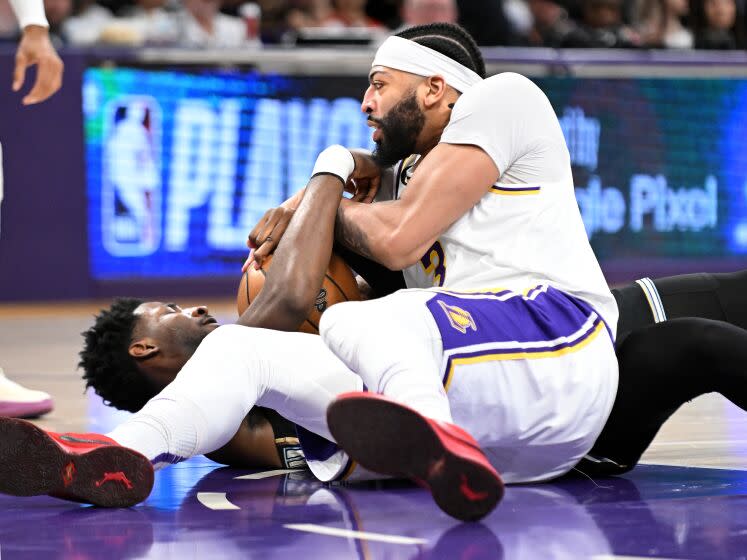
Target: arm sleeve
(505,115)
(29,12)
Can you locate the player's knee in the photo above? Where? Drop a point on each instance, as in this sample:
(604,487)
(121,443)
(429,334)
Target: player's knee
(351,320)
(708,339)
(336,320)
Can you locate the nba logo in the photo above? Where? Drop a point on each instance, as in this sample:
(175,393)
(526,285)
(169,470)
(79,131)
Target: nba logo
(131,176)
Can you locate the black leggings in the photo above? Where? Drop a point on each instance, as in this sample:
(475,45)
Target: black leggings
(701,349)
(721,297)
(662,367)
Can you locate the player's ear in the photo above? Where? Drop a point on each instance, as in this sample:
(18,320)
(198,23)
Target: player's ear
(143,348)
(436,90)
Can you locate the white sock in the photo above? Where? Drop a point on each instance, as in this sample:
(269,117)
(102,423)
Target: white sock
(202,409)
(404,363)
(166,430)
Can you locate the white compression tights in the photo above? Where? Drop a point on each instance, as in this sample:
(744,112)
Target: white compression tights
(233,369)
(393,343)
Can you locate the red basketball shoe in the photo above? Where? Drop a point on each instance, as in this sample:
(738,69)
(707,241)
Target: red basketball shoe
(88,468)
(390,438)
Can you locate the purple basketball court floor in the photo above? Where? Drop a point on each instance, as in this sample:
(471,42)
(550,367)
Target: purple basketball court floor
(200,511)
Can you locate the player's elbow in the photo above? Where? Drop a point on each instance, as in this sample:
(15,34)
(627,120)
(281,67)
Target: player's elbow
(298,296)
(399,252)
(286,303)
(396,262)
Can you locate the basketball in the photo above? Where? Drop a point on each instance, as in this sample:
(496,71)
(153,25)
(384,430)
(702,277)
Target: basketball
(339,285)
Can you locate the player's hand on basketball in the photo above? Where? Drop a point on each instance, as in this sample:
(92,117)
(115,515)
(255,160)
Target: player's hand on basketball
(266,235)
(36,48)
(364,183)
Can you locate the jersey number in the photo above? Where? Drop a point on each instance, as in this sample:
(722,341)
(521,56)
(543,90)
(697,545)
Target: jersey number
(434,263)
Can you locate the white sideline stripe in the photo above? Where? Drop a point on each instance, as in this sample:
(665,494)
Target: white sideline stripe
(333,532)
(215,500)
(265,474)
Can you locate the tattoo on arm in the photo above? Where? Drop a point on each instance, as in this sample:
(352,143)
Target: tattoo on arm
(350,235)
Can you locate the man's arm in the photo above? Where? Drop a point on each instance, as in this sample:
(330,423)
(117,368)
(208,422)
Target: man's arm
(252,447)
(292,283)
(300,260)
(449,181)
(266,234)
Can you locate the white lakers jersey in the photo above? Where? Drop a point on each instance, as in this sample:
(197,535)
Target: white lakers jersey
(527,229)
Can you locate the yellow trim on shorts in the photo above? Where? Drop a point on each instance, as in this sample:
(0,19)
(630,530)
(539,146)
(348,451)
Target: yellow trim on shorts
(521,355)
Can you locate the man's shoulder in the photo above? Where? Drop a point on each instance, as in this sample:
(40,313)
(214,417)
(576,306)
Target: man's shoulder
(505,81)
(499,88)
(509,94)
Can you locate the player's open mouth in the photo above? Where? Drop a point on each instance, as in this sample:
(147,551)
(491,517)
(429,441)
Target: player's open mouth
(209,320)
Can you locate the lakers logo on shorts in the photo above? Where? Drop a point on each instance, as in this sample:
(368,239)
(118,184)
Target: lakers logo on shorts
(459,319)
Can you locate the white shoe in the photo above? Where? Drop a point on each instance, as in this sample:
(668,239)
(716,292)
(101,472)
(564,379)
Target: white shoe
(18,402)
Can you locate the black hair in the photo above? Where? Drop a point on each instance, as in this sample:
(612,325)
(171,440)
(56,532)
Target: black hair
(105,360)
(450,40)
(705,38)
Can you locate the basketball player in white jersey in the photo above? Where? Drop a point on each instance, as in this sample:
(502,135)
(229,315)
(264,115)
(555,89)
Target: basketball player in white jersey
(522,322)
(34,49)
(527,358)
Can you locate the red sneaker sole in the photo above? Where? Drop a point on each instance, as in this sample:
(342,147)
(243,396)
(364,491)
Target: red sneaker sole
(33,464)
(394,440)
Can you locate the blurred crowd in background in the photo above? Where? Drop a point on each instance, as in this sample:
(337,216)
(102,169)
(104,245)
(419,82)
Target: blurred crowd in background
(649,24)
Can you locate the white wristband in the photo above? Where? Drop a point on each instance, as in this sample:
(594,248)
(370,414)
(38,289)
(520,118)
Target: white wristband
(29,12)
(336,160)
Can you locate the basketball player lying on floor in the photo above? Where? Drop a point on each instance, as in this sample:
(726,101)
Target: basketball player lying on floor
(692,350)
(235,367)
(532,376)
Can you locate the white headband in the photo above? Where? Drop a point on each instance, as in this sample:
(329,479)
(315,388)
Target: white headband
(409,56)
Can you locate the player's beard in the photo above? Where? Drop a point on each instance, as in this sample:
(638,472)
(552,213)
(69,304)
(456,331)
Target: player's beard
(400,129)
